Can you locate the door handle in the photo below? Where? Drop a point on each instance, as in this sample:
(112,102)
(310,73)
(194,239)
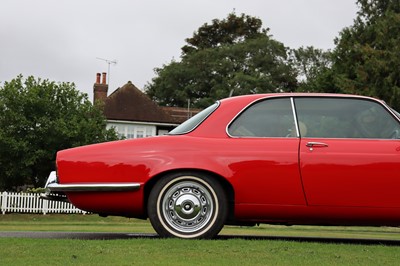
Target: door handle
(316,144)
(311,145)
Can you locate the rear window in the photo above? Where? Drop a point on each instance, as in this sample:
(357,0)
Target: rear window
(195,121)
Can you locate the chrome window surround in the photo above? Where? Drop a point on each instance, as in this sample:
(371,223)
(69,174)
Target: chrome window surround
(254,102)
(394,113)
(296,123)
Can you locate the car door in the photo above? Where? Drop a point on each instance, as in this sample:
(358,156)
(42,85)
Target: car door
(349,152)
(264,144)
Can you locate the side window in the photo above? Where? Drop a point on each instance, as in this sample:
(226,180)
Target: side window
(268,118)
(345,118)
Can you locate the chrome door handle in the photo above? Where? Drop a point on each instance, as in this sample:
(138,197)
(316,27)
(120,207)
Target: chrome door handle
(316,144)
(311,145)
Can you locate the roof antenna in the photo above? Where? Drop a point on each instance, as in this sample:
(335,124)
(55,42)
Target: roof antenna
(109,62)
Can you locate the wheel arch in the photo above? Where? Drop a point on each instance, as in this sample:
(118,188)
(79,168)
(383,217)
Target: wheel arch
(226,185)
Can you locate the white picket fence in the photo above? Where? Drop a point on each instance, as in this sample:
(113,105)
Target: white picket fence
(32,203)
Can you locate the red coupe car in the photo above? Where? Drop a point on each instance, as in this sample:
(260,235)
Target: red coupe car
(315,159)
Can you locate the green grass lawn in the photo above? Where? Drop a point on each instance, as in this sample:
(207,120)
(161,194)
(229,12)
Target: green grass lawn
(154,251)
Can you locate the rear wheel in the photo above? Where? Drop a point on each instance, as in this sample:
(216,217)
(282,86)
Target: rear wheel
(187,205)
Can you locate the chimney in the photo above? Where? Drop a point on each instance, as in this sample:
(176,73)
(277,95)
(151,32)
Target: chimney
(98,75)
(100,89)
(104,78)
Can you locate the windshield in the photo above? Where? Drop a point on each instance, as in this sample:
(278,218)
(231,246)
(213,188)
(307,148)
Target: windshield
(193,122)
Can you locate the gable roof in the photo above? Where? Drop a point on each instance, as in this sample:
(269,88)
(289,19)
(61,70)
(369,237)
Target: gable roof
(180,114)
(128,103)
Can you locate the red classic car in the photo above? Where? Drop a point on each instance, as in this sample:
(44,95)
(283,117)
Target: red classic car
(321,159)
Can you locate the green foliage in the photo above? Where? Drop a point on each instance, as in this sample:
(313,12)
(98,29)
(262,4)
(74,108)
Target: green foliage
(237,56)
(231,30)
(312,65)
(366,59)
(35,190)
(373,9)
(37,118)
(232,56)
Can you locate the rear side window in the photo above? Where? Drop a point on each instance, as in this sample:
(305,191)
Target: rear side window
(268,118)
(193,122)
(345,118)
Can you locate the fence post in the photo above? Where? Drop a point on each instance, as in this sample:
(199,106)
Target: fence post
(3,202)
(45,206)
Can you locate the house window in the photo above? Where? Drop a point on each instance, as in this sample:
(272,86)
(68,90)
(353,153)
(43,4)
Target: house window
(150,131)
(140,132)
(162,132)
(131,131)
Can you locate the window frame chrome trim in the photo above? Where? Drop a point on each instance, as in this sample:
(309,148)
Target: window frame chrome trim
(296,124)
(292,98)
(365,98)
(254,102)
(391,110)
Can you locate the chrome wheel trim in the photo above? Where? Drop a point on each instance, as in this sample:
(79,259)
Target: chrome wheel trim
(187,207)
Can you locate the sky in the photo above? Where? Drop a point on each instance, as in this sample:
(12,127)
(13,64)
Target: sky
(62,40)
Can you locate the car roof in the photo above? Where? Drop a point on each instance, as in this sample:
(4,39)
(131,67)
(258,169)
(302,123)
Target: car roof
(299,94)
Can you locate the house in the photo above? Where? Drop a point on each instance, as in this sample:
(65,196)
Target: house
(133,114)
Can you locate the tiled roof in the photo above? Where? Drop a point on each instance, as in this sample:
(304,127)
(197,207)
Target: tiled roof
(180,114)
(128,103)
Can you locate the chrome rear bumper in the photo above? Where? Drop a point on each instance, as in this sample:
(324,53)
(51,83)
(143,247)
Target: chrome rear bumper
(55,191)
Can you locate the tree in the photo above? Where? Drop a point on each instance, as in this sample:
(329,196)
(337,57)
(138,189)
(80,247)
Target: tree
(230,57)
(366,59)
(37,118)
(231,30)
(314,69)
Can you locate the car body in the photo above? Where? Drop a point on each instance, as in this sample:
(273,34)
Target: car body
(284,158)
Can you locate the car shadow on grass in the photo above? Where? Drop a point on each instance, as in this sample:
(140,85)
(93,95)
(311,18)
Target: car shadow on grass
(333,240)
(114,236)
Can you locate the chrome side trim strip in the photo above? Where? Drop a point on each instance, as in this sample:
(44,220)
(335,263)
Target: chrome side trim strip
(81,187)
(53,186)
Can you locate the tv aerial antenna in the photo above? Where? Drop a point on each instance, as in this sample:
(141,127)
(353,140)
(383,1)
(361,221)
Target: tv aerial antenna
(109,62)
